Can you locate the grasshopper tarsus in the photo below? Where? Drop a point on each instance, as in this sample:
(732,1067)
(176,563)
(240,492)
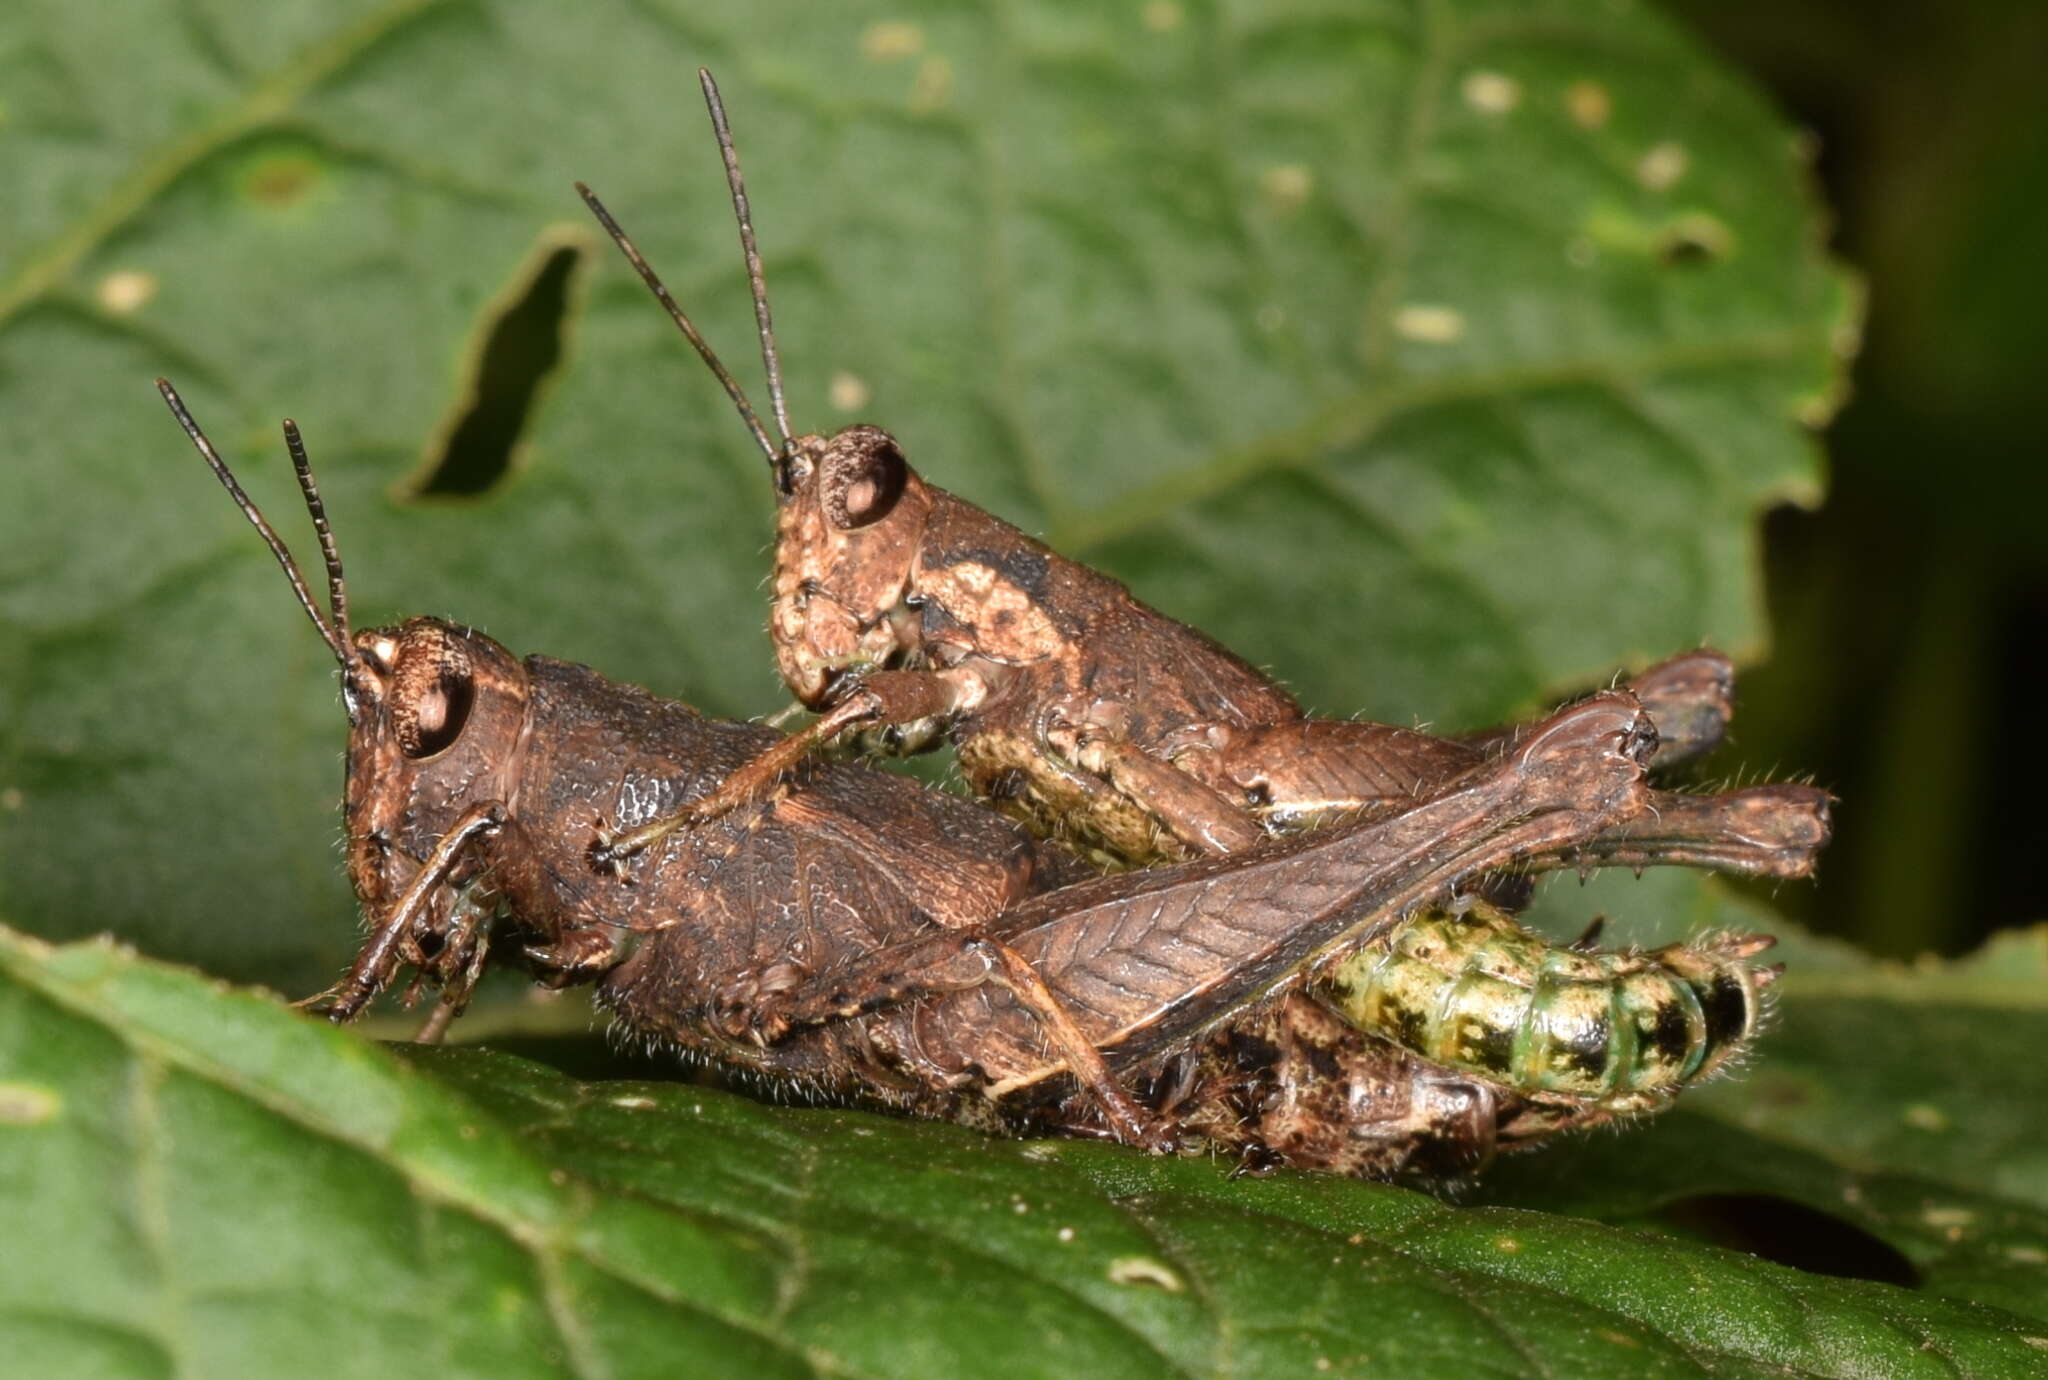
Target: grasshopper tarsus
(435,1027)
(607,855)
(574,955)
(1256,1160)
(890,697)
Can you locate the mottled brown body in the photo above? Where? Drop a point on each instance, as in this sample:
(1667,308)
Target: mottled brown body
(840,862)
(833,935)
(1099,721)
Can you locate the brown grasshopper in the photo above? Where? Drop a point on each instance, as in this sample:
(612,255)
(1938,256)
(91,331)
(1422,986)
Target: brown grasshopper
(858,935)
(1074,707)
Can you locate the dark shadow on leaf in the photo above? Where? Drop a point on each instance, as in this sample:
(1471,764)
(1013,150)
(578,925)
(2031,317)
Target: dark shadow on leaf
(595,1058)
(1789,1233)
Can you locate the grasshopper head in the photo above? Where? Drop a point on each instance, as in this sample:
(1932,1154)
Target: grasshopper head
(851,518)
(436,724)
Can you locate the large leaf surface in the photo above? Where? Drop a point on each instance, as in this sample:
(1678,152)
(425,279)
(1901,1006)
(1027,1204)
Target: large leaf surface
(224,1187)
(1437,354)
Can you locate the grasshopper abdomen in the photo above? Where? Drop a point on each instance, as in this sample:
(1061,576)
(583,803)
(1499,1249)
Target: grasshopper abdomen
(1468,988)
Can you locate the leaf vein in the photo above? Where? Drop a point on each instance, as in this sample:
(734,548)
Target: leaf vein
(41,273)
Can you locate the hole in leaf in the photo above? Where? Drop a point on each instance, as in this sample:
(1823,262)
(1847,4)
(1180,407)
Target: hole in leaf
(1694,239)
(1678,250)
(1790,1233)
(520,351)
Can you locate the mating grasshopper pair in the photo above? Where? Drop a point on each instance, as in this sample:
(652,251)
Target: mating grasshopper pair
(1317,1000)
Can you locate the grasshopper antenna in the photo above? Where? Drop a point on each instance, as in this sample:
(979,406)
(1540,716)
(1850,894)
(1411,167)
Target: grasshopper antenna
(757,280)
(337,641)
(337,592)
(690,332)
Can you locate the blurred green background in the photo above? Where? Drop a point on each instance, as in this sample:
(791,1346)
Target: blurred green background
(1911,610)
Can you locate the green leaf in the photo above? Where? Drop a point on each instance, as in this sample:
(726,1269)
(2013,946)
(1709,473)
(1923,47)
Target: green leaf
(223,1187)
(1438,354)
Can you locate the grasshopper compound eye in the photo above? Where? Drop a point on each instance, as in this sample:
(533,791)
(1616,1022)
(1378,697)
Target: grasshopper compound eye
(433,690)
(862,477)
(437,717)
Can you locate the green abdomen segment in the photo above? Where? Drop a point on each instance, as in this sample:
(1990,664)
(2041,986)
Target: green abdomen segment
(1471,989)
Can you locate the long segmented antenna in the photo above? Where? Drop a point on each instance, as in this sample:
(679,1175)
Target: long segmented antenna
(757,280)
(336,641)
(337,592)
(675,312)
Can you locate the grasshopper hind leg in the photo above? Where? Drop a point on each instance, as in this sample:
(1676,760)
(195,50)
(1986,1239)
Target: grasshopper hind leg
(1690,697)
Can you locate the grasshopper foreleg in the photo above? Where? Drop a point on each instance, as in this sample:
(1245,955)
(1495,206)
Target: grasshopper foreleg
(386,949)
(1200,816)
